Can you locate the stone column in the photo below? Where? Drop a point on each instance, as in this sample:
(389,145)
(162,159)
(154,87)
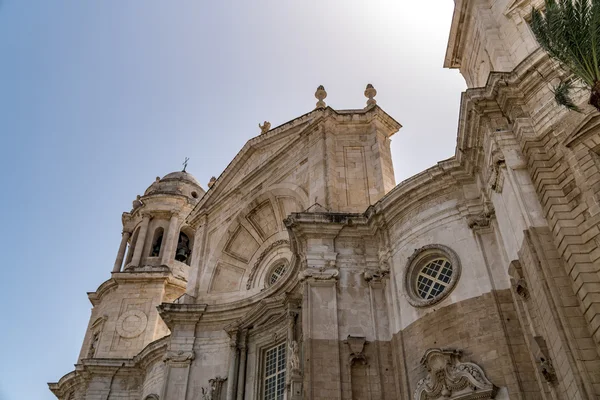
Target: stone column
(242,369)
(141,240)
(170,238)
(121,254)
(233,358)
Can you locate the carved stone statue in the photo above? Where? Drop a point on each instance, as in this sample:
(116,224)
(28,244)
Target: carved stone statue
(264,128)
(137,203)
(214,390)
(94,345)
(294,356)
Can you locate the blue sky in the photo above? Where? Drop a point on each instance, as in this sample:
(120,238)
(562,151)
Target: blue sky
(99,97)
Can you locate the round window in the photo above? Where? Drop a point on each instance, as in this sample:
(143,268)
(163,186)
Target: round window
(277,273)
(433,278)
(431,274)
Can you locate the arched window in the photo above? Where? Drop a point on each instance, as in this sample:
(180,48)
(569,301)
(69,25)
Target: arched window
(184,248)
(157,242)
(277,272)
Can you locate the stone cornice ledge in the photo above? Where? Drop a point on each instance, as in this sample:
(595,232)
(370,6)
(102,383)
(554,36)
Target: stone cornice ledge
(174,314)
(152,352)
(127,277)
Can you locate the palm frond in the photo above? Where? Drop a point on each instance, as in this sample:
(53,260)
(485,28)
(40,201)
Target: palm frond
(562,95)
(569,30)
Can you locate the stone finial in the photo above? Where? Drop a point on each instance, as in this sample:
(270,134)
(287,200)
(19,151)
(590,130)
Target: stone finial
(321,94)
(370,93)
(264,128)
(211,182)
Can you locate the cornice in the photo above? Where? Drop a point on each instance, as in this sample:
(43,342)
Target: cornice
(119,278)
(181,314)
(306,121)
(109,366)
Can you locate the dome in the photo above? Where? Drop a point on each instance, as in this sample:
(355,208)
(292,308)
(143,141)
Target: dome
(181,176)
(179,182)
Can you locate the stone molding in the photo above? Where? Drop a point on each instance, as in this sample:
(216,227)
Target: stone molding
(259,260)
(449,378)
(179,358)
(318,274)
(416,260)
(138,320)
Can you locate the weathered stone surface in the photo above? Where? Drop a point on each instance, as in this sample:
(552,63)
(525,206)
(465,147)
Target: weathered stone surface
(306,248)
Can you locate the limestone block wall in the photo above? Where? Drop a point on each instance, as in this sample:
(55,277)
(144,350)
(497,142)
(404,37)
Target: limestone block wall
(489,36)
(440,223)
(359,166)
(124,316)
(488,335)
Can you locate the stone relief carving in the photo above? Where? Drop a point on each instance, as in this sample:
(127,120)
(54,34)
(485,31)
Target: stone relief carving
(321,274)
(518,280)
(547,370)
(357,347)
(481,220)
(522,289)
(214,390)
(131,323)
(294,357)
(449,378)
(496,179)
(180,356)
(260,258)
(376,274)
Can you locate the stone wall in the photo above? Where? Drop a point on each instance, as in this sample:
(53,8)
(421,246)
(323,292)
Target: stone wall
(485,328)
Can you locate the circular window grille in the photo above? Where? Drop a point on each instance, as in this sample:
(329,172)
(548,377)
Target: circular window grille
(433,278)
(431,274)
(277,273)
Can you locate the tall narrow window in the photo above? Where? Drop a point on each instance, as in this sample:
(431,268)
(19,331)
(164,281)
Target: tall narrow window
(157,242)
(274,374)
(131,248)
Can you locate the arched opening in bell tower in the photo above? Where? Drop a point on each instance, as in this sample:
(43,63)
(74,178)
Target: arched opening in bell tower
(157,240)
(184,246)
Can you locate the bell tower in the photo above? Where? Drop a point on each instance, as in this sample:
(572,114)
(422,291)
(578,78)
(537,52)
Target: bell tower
(151,267)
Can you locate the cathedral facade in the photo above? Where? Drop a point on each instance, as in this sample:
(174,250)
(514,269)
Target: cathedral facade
(305,272)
